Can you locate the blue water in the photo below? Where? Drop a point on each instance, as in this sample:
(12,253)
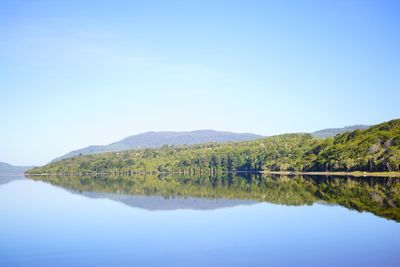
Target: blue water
(43,225)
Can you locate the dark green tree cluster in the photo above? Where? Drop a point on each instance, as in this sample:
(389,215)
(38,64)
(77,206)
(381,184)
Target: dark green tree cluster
(374,149)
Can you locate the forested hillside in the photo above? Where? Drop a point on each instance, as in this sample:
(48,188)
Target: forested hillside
(374,149)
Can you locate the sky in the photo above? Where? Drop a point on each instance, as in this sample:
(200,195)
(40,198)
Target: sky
(77,73)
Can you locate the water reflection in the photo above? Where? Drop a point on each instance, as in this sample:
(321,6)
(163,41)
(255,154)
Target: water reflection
(6,178)
(377,195)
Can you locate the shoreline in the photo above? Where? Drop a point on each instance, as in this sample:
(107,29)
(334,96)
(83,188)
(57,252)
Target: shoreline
(288,173)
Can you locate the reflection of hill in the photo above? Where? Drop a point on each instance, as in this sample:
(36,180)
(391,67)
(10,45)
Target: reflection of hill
(162,203)
(6,178)
(378,195)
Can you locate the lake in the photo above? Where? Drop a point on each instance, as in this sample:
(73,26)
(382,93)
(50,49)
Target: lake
(227,220)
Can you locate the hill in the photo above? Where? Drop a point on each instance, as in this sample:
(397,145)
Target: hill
(158,139)
(8,168)
(331,132)
(374,149)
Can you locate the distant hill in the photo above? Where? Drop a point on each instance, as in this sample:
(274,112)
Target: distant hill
(331,132)
(7,168)
(158,139)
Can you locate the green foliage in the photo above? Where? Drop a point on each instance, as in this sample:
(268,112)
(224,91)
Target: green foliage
(374,149)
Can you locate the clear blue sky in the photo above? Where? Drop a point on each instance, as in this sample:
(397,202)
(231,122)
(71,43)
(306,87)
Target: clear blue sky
(75,73)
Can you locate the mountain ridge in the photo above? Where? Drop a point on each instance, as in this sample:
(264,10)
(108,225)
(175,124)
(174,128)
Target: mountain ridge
(331,132)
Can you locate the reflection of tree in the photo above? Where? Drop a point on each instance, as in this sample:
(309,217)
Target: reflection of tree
(381,196)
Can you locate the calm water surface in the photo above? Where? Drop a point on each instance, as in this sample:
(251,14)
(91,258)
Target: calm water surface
(224,222)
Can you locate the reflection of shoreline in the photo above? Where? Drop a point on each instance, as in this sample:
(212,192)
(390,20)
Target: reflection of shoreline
(378,195)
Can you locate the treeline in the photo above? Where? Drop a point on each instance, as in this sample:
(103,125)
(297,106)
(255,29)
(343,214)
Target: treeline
(375,149)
